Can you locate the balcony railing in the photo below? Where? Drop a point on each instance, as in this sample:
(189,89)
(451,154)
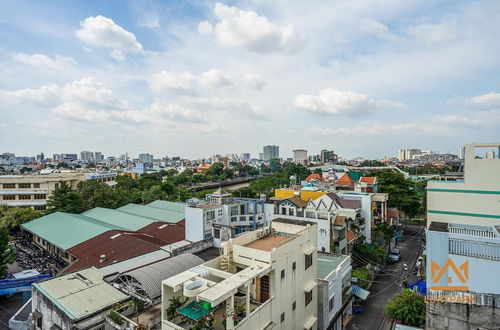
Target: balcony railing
(474,248)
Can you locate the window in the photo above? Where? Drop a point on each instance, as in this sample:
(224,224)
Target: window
(234,210)
(66,255)
(294,266)
(294,305)
(9,197)
(40,207)
(308,297)
(36,185)
(39,323)
(56,185)
(210,215)
(330,304)
(40,196)
(282,317)
(24,196)
(25,185)
(216,233)
(234,219)
(282,274)
(308,260)
(9,185)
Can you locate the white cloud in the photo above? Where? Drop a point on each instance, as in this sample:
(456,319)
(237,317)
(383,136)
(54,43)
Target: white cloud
(215,78)
(254,81)
(235,107)
(104,32)
(90,92)
(488,100)
(205,28)
(334,102)
(371,26)
(433,33)
(59,63)
(186,82)
(183,81)
(47,95)
(237,27)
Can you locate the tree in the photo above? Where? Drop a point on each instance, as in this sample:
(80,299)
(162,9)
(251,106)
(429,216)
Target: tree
(407,307)
(153,194)
(14,216)
(96,194)
(363,275)
(6,252)
(215,169)
(136,305)
(65,199)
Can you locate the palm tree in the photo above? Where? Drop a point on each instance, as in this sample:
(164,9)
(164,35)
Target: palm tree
(136,305)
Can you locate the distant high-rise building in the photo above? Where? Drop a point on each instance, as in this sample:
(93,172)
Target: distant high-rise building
(146,158)
(246,156)
(461,152)
(408,154)
(300,156)
(270,152)
(40,157)
(490,155)
(87,156)
(69,157)
(98,156)
(328,156)
(57,157)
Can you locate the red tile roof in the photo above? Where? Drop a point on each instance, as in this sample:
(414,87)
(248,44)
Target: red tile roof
(350,236)
(314,176)
(116,245)
(369,179)
(345,180)
(345,203)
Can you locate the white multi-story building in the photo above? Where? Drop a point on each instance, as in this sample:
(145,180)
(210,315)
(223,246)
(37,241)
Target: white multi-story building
(463,246)
(270,152)
(299,156)
(408,154)
(221,216)
(335,293)
(264,279)
(87,156)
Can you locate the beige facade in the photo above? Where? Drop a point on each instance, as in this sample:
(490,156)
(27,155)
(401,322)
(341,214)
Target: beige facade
(473,201)
(268,275)
(34,190)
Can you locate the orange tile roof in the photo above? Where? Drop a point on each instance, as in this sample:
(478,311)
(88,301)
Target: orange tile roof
(350,236)
(345,180)
(368,179)
(314,176)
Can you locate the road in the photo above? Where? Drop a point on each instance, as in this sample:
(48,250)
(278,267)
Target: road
(387,284)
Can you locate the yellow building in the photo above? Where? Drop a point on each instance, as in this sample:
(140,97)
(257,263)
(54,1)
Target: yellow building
(34,190)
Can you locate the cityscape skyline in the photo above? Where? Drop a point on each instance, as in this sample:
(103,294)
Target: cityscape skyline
(192,77)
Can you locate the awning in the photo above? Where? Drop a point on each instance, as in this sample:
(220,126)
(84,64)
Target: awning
(310,322)
(309,286)
(360,292)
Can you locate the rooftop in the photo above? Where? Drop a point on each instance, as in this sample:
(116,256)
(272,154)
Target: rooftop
(159,214)
(59,228)
(269,242)
(328,263)
(115,246)
(168,232)
(115,217)
(81,294)
(170,206)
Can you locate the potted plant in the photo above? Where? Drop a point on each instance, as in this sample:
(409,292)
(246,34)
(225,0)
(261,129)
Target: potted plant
(115,320)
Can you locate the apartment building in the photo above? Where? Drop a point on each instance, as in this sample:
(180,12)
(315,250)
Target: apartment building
(463,246)
(270,152)
(221,216)
(263,279)
(34,190)
(300,156)
(335,292)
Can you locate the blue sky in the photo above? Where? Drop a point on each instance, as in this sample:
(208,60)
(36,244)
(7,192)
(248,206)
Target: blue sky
(193,78)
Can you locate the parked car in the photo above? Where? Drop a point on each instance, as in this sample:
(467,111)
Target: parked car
(394,255)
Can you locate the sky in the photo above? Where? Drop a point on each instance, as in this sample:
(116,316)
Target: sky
(196,78)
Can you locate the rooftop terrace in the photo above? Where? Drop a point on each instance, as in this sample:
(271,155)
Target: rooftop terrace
(269,242)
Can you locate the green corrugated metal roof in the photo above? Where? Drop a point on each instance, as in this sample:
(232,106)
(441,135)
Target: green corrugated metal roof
(170,206)
(327,264)
(159,214)
(81,296)
(120,218)
(66,230)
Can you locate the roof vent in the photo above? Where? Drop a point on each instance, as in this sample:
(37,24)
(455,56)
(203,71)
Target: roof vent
(102,258)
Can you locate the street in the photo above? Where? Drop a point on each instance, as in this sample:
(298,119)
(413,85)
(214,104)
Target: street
(387,283)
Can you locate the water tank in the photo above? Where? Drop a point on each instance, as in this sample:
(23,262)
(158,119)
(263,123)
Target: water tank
(194,288)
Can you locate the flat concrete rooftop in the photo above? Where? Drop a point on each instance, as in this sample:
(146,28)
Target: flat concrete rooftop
(267,243)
